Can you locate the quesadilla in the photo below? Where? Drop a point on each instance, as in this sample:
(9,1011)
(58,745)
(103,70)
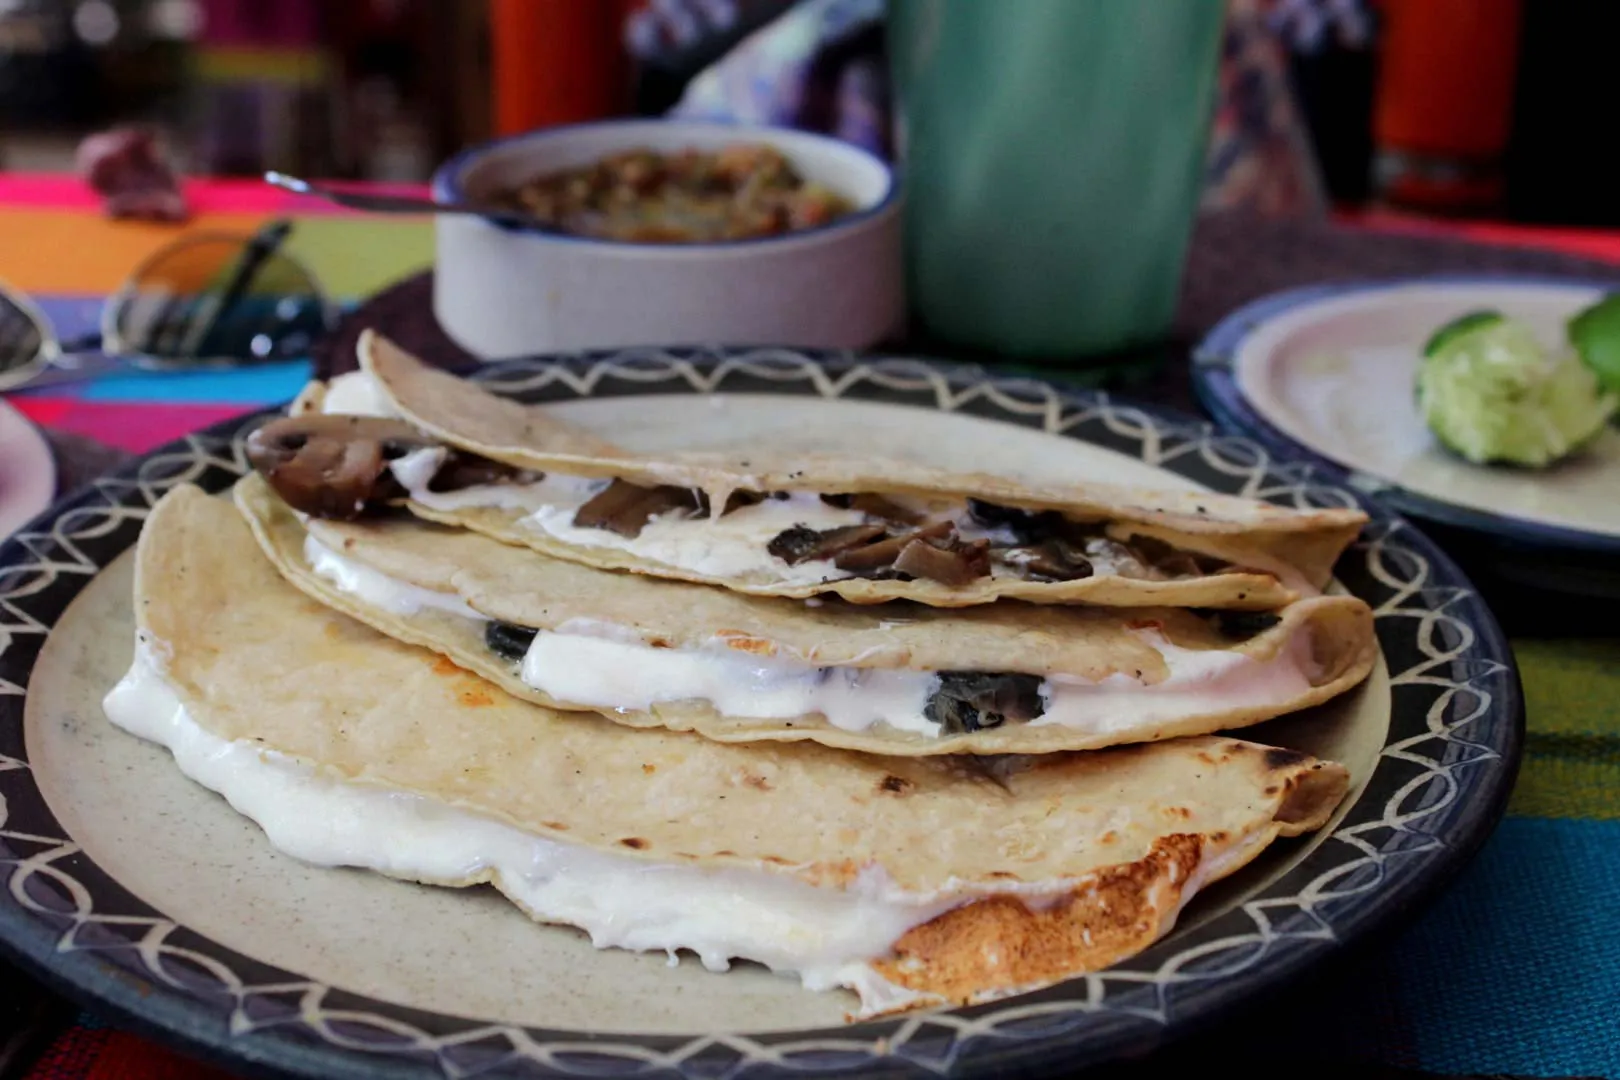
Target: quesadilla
(865,529)
(910,881)
(898,678)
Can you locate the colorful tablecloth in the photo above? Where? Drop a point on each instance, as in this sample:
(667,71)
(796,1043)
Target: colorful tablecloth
(1514,971)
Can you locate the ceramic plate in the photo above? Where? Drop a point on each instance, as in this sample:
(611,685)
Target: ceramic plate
(1327,373)
(149,897)
(27,471)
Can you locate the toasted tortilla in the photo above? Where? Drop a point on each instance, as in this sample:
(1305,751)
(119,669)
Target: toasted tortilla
(1107,846)
(1277,554)
(527,589)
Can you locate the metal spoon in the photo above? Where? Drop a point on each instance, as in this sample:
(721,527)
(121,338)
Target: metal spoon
(379,203)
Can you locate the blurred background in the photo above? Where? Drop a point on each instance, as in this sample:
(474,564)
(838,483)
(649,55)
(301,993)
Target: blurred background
(1481,108)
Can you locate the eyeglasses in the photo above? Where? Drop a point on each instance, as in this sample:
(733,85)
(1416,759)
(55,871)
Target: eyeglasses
(210,300)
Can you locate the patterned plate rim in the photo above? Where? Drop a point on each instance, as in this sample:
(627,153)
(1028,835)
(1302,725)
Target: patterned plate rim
(1439,787)
(1215,383)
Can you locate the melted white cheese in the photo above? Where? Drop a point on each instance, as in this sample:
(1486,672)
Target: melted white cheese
(415,471)
(608,666)
(586,666)
(376,588)
(825,936)
(729,546)
(733,546)
(1200,682)
(582,665)
(356,393)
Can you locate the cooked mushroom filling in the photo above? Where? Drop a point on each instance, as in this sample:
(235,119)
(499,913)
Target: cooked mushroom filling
(343,467)
(969,701)
(1033,545)
(956,702)
(590,663)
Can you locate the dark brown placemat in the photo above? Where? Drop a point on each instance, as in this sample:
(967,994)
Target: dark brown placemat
(1234,258)
(80,459)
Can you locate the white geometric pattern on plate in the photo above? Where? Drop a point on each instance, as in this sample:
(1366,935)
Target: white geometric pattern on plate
(1456,731)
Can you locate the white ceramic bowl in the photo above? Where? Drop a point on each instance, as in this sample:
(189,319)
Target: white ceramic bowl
(502,292)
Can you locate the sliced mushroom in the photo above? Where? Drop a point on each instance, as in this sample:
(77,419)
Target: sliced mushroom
(625,508)
(949,564)
(875,506)
(736,501)
(883,553)
(1029,526)
(1051,560)
(461,471)
(1125,561)
(1173,561)
(333,466)
(969,701)
(508,639)
(803,544)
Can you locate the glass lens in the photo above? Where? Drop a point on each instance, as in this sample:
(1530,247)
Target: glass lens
(213,300)
(22,338)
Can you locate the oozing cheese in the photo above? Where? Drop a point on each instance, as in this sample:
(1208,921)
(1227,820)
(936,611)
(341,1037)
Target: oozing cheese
(825,936)
(582,666)
(732,546)
(735,545)
(378,589)
(588,662)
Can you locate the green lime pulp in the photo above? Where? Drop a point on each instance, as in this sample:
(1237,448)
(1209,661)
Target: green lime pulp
(1491,393)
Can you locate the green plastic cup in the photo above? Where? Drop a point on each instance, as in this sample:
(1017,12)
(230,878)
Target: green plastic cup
(1053,155)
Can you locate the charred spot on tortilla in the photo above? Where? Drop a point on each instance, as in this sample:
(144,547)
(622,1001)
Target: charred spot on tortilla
(969,701)
(507,639)
(625,508)
(1278,757)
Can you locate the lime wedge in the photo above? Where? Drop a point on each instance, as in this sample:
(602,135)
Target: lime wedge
(1491,393)
(1459,326)
(1595,333)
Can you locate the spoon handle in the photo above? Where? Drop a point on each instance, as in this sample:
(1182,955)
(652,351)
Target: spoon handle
(382,203)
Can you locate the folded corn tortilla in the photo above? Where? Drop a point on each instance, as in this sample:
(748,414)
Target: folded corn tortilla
(911,881)
(1269,555)
(741,668)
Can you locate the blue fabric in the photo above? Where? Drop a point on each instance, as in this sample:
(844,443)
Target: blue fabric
(256,386)
(1517,969)
(1514,971)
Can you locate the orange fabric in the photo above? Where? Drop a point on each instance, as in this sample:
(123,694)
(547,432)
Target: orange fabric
(68,251)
